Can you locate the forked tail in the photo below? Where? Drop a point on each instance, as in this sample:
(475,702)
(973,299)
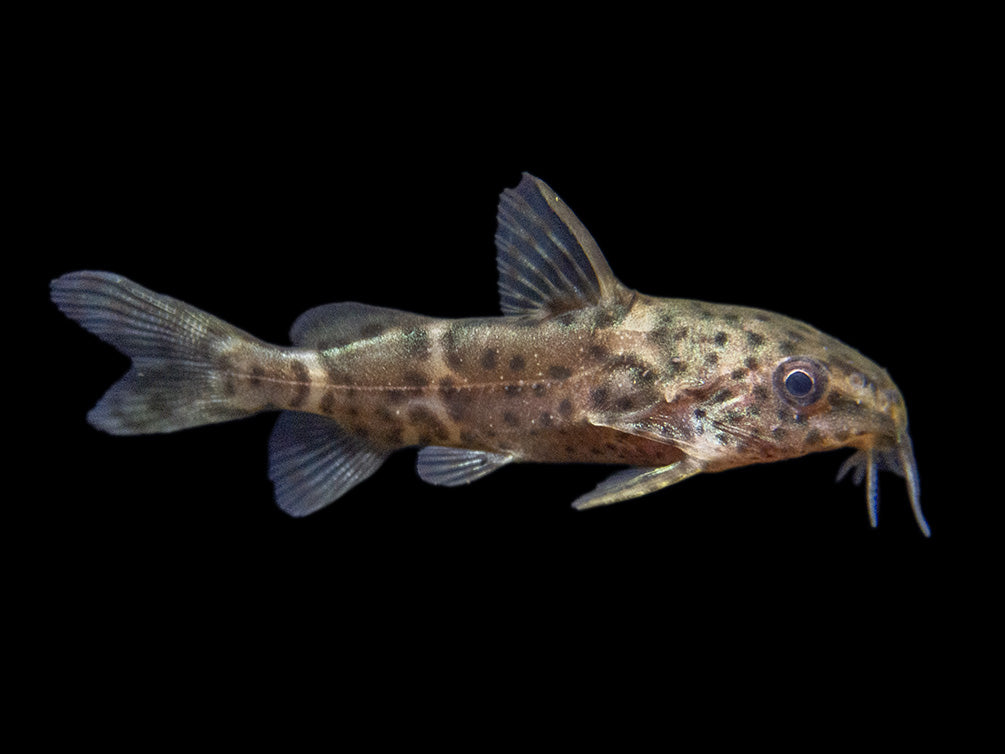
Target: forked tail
(175,380)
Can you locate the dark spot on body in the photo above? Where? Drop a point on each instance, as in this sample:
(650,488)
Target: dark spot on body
(677,367)
(659,335)
(604,318)
(557,372)
(540,389)
(414,378)
(457,401)
(299,370)
(751,363)
(489,359)
(625,403)
(393,434)
(565,408)
(450,343)
(431,429)
(722,396)
(598,352)
(720,339)
(510,419)
(302,384)
(791,342)
(738,374)
(337,375)
(257,375)
(788,417)
(327,404)
(813,437)
(754,339)
(517,363)
(599,396)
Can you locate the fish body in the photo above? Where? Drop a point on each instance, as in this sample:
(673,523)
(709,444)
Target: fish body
(579,368)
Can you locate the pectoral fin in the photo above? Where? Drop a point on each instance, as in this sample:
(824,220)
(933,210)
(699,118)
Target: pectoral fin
(636,482)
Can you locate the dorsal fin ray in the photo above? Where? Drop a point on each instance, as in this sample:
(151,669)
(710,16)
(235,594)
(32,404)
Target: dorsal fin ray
(547,260)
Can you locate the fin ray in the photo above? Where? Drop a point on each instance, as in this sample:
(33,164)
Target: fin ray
(173,382)
(636,482)
(451,467)
(546,258)
(313,462)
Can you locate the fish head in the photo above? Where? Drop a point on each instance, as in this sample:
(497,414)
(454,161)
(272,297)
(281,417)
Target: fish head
(790,396)
(854,403)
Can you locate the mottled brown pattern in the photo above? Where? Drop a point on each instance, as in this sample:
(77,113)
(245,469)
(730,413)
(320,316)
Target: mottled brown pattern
(581,369)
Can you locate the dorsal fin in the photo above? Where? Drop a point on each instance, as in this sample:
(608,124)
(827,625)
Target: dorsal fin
(548,262)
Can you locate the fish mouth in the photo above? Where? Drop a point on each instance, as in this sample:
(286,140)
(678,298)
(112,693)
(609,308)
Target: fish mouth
(899,458)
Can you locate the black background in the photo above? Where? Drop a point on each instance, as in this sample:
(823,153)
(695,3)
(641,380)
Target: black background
(256,182)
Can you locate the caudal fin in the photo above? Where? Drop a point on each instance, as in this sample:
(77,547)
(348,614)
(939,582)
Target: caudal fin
(175,380)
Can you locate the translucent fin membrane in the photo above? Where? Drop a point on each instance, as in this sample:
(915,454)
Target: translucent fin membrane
(547,260)
(173,382)
(313,462)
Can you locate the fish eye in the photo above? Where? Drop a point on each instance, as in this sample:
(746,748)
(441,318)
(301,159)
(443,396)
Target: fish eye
(800,381)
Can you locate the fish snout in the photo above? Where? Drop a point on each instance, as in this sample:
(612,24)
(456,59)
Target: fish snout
(884,441)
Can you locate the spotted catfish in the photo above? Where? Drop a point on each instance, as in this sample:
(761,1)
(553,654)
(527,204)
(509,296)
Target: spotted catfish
(579,369)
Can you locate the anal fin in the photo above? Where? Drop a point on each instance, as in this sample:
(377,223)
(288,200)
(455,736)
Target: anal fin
(636,482)
(450,467)
(313,461)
